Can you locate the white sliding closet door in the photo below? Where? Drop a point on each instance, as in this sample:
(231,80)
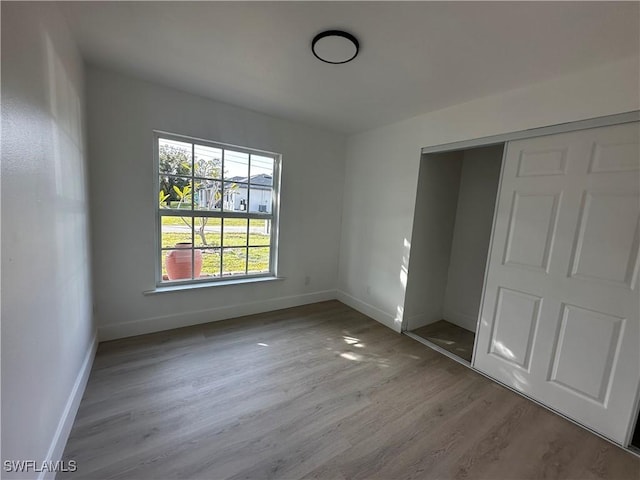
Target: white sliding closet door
(560,316)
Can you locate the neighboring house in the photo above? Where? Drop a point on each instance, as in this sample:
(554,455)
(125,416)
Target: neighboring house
(236,199)
(259,197)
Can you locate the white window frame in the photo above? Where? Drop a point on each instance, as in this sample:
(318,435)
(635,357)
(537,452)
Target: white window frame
(273,216)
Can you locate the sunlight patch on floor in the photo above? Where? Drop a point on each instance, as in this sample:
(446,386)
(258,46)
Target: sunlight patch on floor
(351,356)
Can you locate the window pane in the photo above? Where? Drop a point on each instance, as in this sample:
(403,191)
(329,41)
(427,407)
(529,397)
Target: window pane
(175,157)
(259,199)
(208,161)
(175,230)
(177,263)
(261,170)
(207,195)
(235,197)
(236,166)
(234,261)
(259,232)
(235,232)
(175,192)
(207,231)
(258,261)
(210,263)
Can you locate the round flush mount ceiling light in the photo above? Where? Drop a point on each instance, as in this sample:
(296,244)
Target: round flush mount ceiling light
(335,46)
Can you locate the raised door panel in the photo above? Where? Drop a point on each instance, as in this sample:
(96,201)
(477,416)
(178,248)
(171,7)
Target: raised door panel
(587,347)
(540,162)
(514,326)
(615,155)
(607,240)
(531,230)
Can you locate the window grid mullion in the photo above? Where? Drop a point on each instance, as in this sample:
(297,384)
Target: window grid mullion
(223,192)
(165,212)
(195,177)
(249,186)
(193,183)
(221,244)
(193,220)
(224,153)
(246,250)
(274,224)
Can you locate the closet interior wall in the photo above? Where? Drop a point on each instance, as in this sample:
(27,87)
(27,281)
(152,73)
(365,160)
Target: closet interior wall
(431,239)
(478,189)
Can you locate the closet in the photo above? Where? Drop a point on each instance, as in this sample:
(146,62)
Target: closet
(452,227)
(553,285)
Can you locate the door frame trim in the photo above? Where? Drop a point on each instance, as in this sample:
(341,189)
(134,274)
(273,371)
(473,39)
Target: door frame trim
(605,121)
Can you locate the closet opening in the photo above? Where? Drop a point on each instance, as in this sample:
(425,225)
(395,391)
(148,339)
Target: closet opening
(453,219)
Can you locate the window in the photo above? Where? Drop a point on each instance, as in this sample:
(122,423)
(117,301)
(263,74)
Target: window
(217,211)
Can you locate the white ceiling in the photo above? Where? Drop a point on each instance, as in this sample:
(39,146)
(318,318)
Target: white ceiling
(415,57)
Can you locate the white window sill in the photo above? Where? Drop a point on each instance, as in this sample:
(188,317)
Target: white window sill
(220,283)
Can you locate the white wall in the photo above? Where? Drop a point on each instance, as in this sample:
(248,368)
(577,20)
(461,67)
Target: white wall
(431,239)
(470,245)
(122,114)
(47,328)
(381,171)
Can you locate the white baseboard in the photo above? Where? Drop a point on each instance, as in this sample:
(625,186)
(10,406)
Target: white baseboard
(422,319)
(167,322)
(59,441)
(464,320)
(369,310)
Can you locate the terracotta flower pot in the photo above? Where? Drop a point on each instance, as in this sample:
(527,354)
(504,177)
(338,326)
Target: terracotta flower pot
(178,262)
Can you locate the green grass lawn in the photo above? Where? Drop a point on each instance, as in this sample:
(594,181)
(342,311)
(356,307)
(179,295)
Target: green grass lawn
(235,222)
(235,259)
(231,239)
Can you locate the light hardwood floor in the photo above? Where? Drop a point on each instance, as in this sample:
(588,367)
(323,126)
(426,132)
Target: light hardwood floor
(452,338)
(318,392)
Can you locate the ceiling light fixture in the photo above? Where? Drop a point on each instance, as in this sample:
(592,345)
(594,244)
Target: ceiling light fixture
(335,46)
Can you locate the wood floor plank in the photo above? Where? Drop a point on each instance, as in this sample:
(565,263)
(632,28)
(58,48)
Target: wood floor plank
(318,392)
